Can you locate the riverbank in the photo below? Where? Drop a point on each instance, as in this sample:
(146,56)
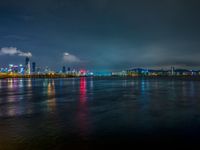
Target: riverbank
(3,76)
(42,76)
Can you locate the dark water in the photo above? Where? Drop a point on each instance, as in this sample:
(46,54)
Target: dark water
(55,113)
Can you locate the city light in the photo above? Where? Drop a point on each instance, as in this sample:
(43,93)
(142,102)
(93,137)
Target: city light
(31,70)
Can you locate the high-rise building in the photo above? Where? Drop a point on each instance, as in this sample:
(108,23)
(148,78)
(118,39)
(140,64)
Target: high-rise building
(172,71)
(68,69)
(63,69)
(27,66)
(33,67)
(21,69)
(27,60)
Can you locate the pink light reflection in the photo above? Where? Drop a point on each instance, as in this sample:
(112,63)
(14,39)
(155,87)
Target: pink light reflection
(83,120)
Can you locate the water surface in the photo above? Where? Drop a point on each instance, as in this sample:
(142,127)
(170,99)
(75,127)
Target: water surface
(54,112)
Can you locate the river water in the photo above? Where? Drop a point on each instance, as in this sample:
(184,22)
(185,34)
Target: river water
(54,113)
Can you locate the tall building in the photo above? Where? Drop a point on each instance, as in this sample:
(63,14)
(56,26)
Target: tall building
(172,71)
(27,66)
(33,67)
(63,69)
(27,60)
(68,69)
(21,69)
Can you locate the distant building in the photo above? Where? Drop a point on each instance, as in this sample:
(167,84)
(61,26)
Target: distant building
(172,71)
(27,66)
(68,69)
(146,72)
(27,60)
(38,69)
(33,67)
(185,72)
(121,73)
(47,69)
(63,69)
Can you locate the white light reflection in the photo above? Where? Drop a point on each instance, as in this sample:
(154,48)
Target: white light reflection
(10,83)
(29,84)
(51,103)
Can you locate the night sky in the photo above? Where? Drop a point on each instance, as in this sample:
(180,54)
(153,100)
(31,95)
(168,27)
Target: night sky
(101,34)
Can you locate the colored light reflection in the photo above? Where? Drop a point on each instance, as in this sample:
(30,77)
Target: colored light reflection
(10,83)
(83,90)
(83,113)
(51,96)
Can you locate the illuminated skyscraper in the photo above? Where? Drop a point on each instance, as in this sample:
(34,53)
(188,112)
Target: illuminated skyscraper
(172,71)
(27,66)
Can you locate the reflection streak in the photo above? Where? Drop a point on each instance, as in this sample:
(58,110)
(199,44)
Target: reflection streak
(83,114)
(51,96)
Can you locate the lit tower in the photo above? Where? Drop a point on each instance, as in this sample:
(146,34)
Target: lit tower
(27,66)
(172,71)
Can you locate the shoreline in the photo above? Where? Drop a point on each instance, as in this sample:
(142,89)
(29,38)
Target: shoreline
(196,78)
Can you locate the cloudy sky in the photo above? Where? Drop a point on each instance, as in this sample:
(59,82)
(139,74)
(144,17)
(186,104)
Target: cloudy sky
(101,34)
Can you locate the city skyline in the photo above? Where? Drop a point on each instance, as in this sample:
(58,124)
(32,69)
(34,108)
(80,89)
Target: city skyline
(30,68)
(102,34)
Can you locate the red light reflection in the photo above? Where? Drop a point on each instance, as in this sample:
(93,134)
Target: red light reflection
(83,90)
(83,114)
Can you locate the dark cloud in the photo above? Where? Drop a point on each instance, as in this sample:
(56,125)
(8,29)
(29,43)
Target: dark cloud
(104,34)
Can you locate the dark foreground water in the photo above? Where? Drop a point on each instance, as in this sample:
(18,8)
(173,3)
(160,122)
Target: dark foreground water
(88,112)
